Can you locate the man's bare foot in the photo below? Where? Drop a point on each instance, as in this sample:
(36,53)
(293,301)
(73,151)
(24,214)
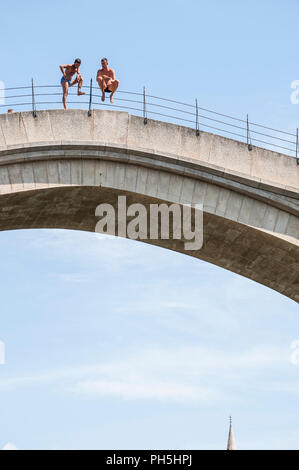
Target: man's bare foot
(103,96)
(111,99)
(80,93)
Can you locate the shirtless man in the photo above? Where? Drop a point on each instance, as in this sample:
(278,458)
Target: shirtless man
(68,71)
(106,80)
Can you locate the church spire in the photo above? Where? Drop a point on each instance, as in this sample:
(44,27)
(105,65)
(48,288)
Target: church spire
(231,444)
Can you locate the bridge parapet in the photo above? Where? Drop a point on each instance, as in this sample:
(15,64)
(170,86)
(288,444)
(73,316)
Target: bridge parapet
(113,129)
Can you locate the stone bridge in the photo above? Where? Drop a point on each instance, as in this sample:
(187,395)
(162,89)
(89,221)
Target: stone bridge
(55,169)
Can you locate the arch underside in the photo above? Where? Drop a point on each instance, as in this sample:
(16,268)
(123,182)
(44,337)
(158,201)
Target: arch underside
(250,252)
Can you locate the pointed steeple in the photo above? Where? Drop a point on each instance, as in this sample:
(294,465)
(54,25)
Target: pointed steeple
(231,444)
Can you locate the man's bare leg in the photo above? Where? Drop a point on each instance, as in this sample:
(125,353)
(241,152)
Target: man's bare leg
(102,86)
(113,87)
(78,80)
(65,88)
(80,83)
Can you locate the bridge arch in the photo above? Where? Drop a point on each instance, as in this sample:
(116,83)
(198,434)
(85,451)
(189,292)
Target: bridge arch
(56,169)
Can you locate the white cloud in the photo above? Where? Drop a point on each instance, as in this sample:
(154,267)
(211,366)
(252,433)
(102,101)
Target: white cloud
(10,446)
(142,390)
(76,278)
(178,374)
(181,374)
(210,312)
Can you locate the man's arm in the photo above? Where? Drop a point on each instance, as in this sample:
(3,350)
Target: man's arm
(79,74)
(106,77)
(63,67)
(99,74)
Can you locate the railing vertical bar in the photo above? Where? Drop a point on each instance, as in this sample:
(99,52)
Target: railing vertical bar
(197,120)
(33,100)
(249,145)
(144,107)
(90,98)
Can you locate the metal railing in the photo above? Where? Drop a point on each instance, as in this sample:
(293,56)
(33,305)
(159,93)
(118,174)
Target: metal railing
(145,105)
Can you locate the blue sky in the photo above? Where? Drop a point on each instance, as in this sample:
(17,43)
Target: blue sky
(114,344)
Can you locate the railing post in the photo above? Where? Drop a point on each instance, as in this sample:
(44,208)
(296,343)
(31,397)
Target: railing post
(297,159)
(33,100)
(249,145)
(90,98)
(144,108)
(197,121)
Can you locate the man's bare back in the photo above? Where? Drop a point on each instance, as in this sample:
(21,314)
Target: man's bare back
(106,80)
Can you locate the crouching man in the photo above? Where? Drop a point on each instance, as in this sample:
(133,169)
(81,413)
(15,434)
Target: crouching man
(106,80)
